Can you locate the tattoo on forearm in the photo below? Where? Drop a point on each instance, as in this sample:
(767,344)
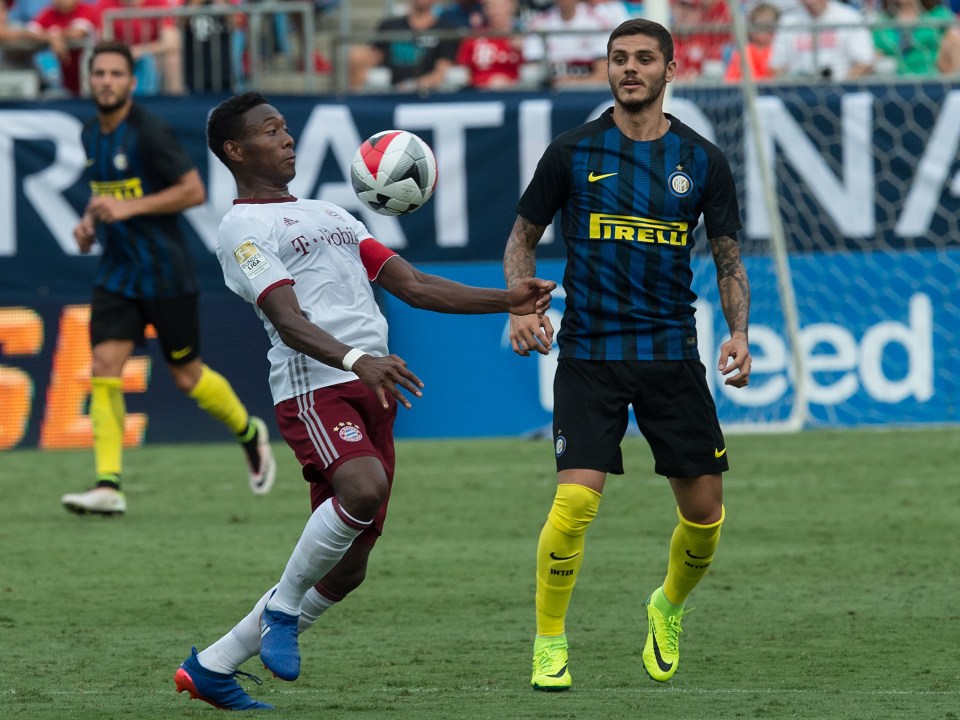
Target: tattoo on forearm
(519,258)
(732,282)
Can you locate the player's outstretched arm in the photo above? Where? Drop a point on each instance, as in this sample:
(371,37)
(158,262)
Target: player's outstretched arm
(529,332)
(432,292)
(735,303)
(384,375)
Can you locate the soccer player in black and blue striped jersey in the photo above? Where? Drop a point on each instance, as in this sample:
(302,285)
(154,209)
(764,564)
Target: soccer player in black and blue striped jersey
(631,187)
(141,179)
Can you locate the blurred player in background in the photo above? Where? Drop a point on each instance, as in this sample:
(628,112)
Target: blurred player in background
(631,186)
(142,178)
(308,266)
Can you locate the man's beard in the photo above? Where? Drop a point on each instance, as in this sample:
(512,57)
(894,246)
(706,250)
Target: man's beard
(118,103)
(653,93)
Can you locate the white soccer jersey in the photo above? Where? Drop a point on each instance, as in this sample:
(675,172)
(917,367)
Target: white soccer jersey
(842,40)
(570,54)
(316,247)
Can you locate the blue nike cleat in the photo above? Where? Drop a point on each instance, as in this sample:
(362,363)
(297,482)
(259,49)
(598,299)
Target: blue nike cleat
(218,689)
(278,644)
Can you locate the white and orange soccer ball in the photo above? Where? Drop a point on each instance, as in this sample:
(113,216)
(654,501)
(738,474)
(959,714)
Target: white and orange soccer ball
(394,172)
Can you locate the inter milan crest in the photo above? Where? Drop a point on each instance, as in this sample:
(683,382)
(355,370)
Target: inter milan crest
(680,183)
(561,445)
(120,161)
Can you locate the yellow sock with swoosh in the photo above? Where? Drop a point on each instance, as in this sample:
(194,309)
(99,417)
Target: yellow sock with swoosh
(691,552)
(560,553)
(215,395)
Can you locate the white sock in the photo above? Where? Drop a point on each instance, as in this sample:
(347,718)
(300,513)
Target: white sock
(327,536)
(243,641)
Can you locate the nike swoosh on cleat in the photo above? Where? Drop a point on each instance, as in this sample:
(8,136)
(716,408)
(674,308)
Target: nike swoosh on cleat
(560,673)
(592,177)
(698,557)
(664,666)
(719,453)
(571,557)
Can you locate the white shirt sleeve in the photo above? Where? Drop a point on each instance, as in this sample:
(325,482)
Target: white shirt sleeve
(249,257)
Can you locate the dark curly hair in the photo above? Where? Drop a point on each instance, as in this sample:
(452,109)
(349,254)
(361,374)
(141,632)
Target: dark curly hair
(111,46)
(639,26)
(226,121)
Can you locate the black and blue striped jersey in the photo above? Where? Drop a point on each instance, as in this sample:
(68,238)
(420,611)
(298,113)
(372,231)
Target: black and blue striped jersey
(146,256)
(628,212)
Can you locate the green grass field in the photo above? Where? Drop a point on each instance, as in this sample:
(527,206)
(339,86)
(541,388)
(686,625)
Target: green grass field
(835,593)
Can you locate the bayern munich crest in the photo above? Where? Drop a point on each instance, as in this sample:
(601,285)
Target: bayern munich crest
(680,183)
(348,432)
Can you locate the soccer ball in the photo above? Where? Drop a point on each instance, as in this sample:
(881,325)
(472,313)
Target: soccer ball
(394,172)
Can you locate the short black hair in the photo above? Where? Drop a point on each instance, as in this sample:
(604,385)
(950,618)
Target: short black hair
(226,121)
(111,46)
(639,26)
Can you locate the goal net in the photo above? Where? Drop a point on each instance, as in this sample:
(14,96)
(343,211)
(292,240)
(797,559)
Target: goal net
(850,200)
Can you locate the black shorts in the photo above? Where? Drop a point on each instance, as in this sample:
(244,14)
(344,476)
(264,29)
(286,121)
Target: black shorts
(671,402)
(176,320)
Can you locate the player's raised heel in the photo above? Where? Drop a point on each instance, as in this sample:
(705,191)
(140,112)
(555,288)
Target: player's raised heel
(218,689)
(278,644)
(264,474)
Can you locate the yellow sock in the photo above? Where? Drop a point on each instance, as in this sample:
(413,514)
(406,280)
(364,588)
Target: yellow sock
(691,552)
(216,396)
(107,414)
(560,553)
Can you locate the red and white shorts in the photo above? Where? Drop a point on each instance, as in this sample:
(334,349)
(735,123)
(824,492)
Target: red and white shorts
(328,426)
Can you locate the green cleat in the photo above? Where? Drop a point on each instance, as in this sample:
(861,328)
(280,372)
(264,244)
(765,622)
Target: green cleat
(661,653)
(550,672)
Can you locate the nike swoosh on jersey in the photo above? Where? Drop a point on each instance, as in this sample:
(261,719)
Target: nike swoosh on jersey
(181,353)
(593,177)
(719,453)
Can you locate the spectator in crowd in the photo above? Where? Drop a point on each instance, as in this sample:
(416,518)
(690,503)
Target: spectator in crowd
(700,51)
(573,59)
(494,62)
(208,49)
(62,26)
(10,33)
(914,49)
(612,12)
(420,63)
(19,14)
(948,58)
(155,42)
(762,22)
(824,38)
(463,14)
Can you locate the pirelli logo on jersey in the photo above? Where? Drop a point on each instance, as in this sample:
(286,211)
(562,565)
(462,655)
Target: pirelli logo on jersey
(120,189)
(635,229)
(251,260)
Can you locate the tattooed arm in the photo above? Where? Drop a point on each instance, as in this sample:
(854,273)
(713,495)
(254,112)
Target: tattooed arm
(735,302)
(528,332)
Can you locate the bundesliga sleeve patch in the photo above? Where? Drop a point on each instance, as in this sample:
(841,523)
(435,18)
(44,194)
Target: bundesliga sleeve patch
(251,260)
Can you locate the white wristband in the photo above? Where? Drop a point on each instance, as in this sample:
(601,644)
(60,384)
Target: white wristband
(351,357)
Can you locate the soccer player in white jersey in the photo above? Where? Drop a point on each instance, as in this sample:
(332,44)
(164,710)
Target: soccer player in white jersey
(307,267)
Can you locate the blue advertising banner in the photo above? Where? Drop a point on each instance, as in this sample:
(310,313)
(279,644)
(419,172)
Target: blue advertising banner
(869,185)
(889,362)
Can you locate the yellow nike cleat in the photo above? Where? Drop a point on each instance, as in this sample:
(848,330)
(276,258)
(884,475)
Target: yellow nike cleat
(661,653)
(550,672)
